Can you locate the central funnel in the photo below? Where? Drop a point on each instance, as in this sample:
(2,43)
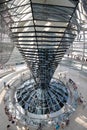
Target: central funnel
(44,40)
(46,66)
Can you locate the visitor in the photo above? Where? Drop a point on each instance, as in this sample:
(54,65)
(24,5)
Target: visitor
(8,86)
(48,116)
(6,111)
(13,122)
(39,127)
(80,99)
(8,127)
(63,125)
(14,101)
(26,128)
(57,126)
(9,117)
(84,104)
(67,122)
(5,85)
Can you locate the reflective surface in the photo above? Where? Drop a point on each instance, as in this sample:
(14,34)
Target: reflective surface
(42,31)
(6,42)
(42,101)
(25,117)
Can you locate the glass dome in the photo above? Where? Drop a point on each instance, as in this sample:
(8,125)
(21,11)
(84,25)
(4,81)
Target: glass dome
(42,101)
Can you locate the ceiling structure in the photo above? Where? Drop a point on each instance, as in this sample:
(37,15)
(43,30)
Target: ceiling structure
(42,30)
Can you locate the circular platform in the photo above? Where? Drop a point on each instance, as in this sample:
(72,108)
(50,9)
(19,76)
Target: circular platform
(32,105)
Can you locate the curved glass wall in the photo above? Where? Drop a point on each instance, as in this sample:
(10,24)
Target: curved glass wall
(6,43)
(76,56)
